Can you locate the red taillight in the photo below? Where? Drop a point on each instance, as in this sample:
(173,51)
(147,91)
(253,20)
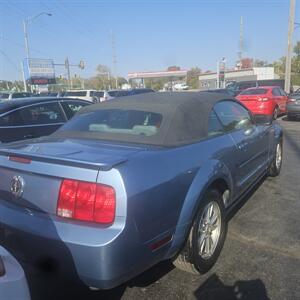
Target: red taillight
(263,99)
(86,201)
(21,160)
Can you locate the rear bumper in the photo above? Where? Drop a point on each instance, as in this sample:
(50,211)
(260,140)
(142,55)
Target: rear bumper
(101,257)
(293,110)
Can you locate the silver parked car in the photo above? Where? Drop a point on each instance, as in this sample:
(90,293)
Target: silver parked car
(13,283)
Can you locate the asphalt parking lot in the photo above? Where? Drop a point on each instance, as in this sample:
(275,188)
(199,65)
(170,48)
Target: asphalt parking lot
(260,259)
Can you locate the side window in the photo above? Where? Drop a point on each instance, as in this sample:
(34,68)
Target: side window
(282,92)
(11,119)
(214,125)
(48,113)
(233,116)
(4,96)
(276,92)
(71,108)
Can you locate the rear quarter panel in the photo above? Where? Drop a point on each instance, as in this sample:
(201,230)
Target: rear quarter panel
(164,186)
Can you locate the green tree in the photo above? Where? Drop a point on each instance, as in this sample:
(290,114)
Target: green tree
(103,80)
(297,49)
(121,81)
(193,78)
(260,63)
(279,66)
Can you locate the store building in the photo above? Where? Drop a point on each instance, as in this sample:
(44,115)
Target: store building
(210,80)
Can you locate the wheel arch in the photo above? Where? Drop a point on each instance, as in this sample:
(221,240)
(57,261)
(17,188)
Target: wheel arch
(214,174)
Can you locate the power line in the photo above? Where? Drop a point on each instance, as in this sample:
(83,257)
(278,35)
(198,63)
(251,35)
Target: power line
(88,30)
(10,60)
(75,26)
(81,25)
(22,46)
(17,10)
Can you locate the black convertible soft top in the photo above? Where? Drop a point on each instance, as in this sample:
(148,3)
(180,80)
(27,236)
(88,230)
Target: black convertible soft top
(185,117)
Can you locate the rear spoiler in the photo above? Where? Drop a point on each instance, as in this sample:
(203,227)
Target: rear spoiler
(63,161)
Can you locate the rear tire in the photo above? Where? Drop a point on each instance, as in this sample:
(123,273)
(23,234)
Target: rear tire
(276,164)
(206,237)
(275,113)
(290,118)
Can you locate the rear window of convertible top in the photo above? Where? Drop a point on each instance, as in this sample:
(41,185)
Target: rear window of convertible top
(118,121)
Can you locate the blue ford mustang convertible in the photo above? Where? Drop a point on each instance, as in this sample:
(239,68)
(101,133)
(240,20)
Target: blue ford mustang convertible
(131,182)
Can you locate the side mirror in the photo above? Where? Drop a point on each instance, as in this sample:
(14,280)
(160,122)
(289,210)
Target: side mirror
(263,119)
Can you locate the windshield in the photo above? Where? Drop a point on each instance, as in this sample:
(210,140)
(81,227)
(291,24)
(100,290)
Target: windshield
(116,121)
(254,92)
(20,95)
(99,94)
(76,94)
(4,96)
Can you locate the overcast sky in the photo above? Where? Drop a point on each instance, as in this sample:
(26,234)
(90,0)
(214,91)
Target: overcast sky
(149,34)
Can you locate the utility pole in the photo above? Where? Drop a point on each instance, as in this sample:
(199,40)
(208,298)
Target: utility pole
(25,22)
(67,66)
(241,44)
(288,60)
(114,57)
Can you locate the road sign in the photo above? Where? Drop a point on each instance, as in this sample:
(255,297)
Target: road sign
(39,71)
(81,65)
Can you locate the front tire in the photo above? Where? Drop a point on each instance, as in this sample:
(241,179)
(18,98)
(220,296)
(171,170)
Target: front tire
(206,237)
(276,164)
(275,113)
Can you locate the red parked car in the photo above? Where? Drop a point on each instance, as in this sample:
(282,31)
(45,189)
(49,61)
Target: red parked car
(267,100)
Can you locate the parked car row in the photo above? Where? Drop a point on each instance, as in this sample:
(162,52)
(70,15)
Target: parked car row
(39,116)
(88,95)
(100,96)
(13,95)
(267,100)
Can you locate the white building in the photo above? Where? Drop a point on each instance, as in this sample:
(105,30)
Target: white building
(210,80)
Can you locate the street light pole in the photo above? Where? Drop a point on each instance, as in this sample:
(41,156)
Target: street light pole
(25,29)
(288,60)
(25,23)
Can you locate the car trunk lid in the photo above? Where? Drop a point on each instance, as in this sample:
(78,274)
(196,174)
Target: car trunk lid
(38,168)
(251,97)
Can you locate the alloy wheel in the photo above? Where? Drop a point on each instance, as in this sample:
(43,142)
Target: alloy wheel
(278,156)
(209,230)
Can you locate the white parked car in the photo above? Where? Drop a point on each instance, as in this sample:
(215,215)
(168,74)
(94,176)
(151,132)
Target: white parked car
(13,95)
(13,283)
(180,87)
(108,95)
(89,95)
